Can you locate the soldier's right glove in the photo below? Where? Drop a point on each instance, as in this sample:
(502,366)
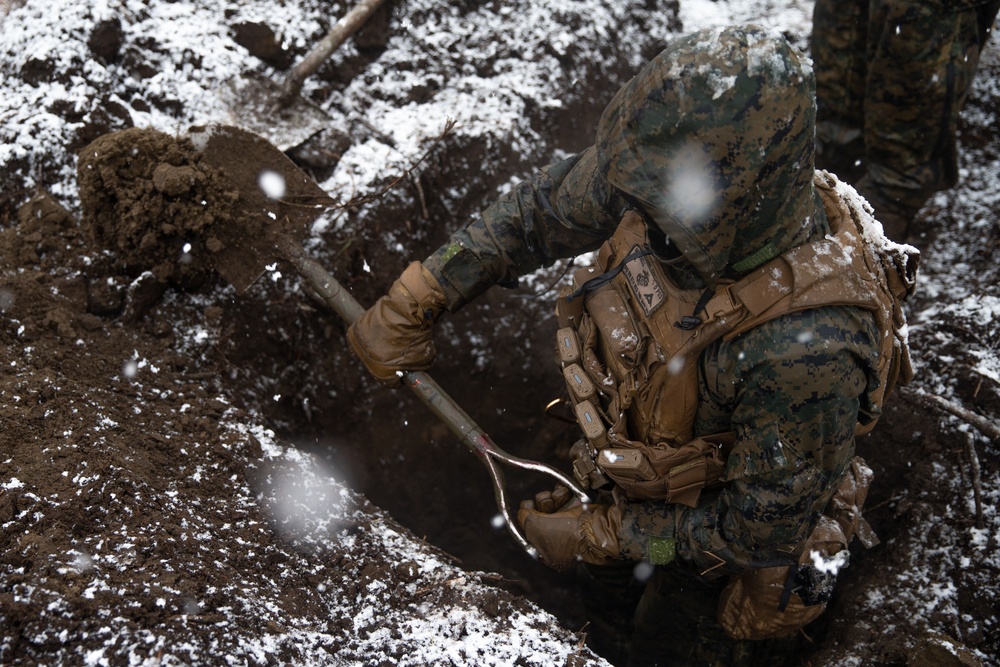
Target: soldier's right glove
(395,334)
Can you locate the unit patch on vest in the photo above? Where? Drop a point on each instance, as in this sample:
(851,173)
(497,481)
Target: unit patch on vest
(642,280)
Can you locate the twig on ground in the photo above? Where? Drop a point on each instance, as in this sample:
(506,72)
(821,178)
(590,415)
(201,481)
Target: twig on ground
(583,637)
(984,424)
(420,194)
(974,472)
(892,499)
(382,136)
(367,199)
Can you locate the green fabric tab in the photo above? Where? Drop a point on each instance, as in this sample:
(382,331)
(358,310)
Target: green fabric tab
(449,252)
(662,550)
(767,252)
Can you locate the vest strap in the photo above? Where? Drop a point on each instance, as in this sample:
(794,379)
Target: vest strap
(689,322)
(596,282)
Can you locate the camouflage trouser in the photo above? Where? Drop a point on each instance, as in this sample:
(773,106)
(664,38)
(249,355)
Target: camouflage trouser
(669,620)
(891,78)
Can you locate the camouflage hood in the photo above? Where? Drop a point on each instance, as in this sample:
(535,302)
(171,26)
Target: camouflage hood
(714,139)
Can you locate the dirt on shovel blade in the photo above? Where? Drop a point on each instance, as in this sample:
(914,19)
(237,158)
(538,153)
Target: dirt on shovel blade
(182,207)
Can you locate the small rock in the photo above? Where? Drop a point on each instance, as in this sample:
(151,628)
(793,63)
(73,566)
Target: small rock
(106,40)
(407,571)
(259,39)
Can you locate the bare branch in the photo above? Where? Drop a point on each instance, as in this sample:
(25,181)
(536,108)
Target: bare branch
(374,196)
(341,30)
(977,489)
(984,424)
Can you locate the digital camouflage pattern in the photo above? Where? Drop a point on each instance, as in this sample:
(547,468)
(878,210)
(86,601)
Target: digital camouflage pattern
(713,139)
(791,389)
(891,78)
(566,209)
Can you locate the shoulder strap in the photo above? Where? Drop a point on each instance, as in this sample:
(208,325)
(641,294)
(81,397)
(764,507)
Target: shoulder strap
(856,265)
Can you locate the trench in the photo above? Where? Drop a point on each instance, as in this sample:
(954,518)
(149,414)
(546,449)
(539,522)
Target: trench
(496,358)
(387,445)
(287,358)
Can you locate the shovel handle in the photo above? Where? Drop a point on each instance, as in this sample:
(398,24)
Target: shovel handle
(462,425)
(437,400)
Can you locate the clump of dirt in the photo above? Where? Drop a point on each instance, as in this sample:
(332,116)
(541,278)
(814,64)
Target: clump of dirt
(147,197)
(218,199)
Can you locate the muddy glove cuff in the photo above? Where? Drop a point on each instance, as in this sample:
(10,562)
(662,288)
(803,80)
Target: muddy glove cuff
(395,334)
(564,538)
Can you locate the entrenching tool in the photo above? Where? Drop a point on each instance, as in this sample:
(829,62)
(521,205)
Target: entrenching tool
(270,229)
(276,110)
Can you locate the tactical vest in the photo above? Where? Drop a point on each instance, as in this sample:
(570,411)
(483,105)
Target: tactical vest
(629,342)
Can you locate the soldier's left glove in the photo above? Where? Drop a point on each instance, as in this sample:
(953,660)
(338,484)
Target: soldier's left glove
(395,334)
(564,536)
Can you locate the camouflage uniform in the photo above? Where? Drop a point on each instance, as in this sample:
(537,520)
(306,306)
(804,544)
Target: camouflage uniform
(891,79)
(713,142)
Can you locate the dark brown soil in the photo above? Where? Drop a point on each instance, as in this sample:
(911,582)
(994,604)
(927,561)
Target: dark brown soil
(127,490)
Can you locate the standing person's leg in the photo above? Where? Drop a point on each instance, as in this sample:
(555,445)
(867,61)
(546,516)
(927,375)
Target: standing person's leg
(610,594)
(839,42)
(922,58)
(675,622)
(676,625)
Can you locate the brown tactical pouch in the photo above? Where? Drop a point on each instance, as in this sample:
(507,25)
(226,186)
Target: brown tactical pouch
(779,601)
(674,474)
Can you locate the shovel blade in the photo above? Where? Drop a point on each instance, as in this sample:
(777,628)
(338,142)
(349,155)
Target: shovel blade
(274,202)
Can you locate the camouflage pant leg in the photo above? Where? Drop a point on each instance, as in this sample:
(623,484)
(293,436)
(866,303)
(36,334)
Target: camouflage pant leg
(675,625)
(920,59)
(610,595)
(840,31)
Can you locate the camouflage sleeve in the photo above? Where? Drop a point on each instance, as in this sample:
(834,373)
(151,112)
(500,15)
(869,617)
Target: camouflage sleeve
(790,389)
(564,210)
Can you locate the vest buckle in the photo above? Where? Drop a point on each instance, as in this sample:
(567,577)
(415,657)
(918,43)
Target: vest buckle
(688,322)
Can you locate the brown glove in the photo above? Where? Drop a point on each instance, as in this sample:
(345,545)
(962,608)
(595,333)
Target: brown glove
(562,537)
(394,335)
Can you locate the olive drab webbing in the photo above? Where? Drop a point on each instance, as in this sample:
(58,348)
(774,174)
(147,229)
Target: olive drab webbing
(629,352)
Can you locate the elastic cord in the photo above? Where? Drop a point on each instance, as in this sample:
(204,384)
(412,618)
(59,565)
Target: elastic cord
(598,281)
